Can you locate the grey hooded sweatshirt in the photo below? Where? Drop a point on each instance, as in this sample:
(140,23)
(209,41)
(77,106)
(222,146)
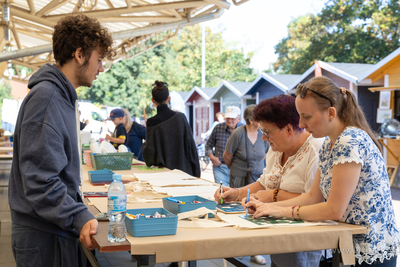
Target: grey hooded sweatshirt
(44,181)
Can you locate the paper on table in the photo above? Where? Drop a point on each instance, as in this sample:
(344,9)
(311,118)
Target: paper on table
(195,213)
(202,223)
(136,197)
(243,224)
(191,219)
(174,174)
(161,182)
(176,191)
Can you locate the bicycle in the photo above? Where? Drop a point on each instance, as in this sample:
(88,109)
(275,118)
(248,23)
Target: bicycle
(203,158)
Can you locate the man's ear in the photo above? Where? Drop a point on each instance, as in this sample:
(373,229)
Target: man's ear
(79,56)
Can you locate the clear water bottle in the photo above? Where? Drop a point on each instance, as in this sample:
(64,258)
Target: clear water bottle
(116,210)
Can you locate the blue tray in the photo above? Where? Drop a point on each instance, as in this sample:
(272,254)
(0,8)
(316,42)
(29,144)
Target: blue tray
(100,176)
(151,226)
(189,205)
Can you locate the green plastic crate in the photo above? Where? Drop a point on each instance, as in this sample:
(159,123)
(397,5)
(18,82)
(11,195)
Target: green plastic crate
(83,157)
(112,161)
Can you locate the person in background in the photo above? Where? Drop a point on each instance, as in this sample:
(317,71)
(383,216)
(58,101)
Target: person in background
(137,120)
(292,161)
(215,146)
(83,123)
(119,136)
(169,139)
(136,135)
(47,212)
(245,150)
(351,184)
(220,118)
(244,155)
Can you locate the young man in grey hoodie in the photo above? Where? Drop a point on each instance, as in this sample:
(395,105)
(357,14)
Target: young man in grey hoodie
(47,212)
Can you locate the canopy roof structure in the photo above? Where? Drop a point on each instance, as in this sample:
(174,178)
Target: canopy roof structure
(136,25)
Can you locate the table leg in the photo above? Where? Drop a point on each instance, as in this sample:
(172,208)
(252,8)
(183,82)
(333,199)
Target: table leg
(89,256)
(147,260)
(237,262)
(337,259)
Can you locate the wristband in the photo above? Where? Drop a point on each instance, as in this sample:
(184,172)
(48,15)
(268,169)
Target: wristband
(238,194)
(298,212)
(276,191)
(293,212)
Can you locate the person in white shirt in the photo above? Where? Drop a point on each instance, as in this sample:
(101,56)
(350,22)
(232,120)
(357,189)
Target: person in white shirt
(291,162)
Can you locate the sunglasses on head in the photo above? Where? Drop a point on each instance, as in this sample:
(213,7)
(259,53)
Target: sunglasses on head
(302,88)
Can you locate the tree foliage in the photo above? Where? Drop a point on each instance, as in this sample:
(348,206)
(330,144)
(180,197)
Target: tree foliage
(5,92)
(346,31)
(177,62)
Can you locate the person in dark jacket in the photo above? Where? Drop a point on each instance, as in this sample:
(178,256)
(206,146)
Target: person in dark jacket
(169,139)
(47,212)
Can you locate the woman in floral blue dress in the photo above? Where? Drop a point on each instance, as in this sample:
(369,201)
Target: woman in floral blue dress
(351,184)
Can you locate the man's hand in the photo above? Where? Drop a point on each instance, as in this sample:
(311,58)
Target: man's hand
(215,160)
(88,229)
(108,137)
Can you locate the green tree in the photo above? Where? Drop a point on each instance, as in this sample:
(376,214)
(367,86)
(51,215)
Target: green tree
(128,83)
(347,31)
(5,92)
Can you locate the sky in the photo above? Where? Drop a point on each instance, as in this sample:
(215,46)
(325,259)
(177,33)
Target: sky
(258,25)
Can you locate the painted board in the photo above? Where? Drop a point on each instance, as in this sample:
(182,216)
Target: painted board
(263,220)
(230,207)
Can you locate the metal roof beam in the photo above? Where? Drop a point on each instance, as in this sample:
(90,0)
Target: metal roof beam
(2,41)
(51,6)
(31,25)
(119,35)
(141,3)
(150,19)
(15,34)
(31,6)
(35,34)
(79,4)
(15,11)
(220,3)
(136,9)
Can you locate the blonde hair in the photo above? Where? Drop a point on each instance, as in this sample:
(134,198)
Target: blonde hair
(348,110)
(129,122)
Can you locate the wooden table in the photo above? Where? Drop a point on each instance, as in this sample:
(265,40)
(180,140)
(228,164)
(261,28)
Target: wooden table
(6,149)
(191,244)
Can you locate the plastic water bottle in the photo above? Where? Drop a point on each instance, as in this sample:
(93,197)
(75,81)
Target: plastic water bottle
(116,210)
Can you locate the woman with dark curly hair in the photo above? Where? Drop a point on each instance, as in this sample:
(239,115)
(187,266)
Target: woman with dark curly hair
(169,138)
(47,212)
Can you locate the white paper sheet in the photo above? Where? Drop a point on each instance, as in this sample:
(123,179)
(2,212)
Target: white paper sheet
(243,224)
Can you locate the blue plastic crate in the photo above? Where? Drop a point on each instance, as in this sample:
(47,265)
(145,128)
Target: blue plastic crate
(151,226)
(189,205)
(100,176)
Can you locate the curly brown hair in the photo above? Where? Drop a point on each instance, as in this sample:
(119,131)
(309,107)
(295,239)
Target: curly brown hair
(80,31)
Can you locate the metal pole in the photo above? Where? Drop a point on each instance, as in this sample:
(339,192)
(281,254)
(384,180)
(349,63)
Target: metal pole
(203,58)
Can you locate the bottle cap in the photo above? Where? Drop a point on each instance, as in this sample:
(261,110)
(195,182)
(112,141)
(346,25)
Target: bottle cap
(117,177)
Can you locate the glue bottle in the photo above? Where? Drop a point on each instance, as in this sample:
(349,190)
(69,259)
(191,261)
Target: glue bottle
(116,210)
(94,146)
